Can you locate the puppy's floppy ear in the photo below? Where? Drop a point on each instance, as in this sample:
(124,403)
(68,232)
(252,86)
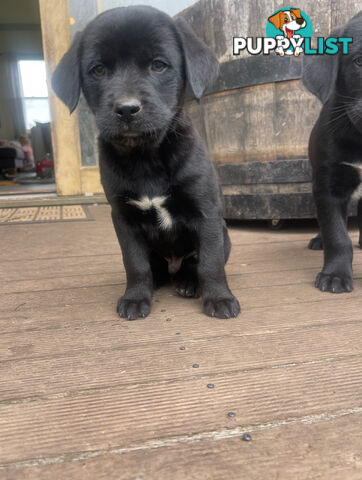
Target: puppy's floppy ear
(296,12)
(358,15)
(202,67)
(320,72)
(276,19)
(66,77)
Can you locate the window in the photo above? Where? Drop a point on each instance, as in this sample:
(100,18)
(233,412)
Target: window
(34,91)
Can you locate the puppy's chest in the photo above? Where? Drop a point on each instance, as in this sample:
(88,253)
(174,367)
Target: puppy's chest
(149,209)
(357,167)
(164,209)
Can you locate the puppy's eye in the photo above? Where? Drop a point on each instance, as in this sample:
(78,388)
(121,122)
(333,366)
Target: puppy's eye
(98,70)
(286,19)
(292,17)
(158,66)
(358,61)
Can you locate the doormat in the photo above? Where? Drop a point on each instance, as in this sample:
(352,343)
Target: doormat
(8,183)
(50,214)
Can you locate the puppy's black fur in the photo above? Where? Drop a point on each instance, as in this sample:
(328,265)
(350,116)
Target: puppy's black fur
(133,65)
(335,151)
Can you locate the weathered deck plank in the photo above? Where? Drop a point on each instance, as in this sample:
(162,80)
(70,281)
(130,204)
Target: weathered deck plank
(77,382)
(91,360)
(300,451)
(125,417)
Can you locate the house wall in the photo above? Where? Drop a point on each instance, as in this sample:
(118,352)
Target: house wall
(20,37)
(169,6)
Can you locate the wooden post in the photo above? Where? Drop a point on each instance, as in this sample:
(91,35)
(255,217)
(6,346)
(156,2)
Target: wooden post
(55,25)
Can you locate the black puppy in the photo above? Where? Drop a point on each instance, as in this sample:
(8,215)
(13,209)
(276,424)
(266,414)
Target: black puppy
(132,65)
(335,151)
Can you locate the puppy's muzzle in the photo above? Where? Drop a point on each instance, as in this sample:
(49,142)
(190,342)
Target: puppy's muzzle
(127,109)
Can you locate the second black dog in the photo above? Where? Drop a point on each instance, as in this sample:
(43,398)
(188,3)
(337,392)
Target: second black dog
(132,65)
(335,151)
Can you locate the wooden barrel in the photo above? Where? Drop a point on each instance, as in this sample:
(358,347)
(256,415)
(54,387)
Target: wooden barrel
(257,118)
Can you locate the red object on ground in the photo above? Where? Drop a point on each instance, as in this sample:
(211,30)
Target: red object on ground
(45,167)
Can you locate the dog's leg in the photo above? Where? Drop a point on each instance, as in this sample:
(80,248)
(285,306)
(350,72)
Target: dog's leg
(359,219)
(316,243)
(336,275)
(218,301)
(187,277)
(136,301)
(227,242)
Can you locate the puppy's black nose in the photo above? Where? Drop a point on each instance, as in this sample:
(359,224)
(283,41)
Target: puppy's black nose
(127,108)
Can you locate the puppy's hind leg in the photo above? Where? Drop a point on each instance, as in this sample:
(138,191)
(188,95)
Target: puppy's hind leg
(159,269)
(316,243)
(359,220)
(187,279)
(336,275)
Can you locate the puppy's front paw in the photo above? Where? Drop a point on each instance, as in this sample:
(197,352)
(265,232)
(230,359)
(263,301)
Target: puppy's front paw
(315,243)
(334,283)
(223,307)
(133,308)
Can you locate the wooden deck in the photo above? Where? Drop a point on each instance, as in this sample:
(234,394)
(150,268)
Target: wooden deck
(85,395)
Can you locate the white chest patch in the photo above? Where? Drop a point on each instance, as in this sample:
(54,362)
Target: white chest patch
(163,215)
(358,192)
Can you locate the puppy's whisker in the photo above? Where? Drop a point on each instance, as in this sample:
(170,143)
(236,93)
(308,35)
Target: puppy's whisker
(347,96)
(355,117)
(336,118)
(340,109)
(344,103)
(338,123)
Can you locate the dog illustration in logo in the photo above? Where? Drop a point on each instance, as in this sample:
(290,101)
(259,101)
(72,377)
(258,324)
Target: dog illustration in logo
(289,22)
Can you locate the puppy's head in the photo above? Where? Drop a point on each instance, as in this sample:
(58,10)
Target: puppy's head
(132,64)
(339,76)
